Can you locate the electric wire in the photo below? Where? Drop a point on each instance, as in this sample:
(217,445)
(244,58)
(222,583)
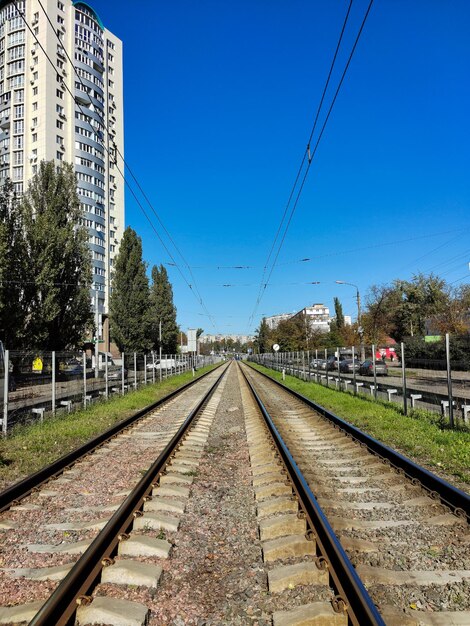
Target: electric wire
(306,154)
(309,162)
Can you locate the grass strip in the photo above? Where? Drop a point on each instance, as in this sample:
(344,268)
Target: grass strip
(30,447)
(420,436)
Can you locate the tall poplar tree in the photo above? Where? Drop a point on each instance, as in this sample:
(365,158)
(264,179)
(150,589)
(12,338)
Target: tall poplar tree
(57,298)
(162,309)
(129,301)
(13,269)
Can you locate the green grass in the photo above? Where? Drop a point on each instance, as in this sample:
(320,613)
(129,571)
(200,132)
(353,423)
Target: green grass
(420,436)
(29,448)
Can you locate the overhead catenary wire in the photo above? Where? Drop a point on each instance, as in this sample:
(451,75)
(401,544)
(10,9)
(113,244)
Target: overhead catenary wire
(306,154)
(311,156)
(192,287)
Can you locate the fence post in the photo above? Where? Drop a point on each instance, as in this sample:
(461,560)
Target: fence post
(354,368)
(449,382)
(403,379)
(5,393)
(135,371)
(145,369)
(339,371)
(375,372)
(326,366)
(153,366)
(84,379)
(122,373)
(53,383)
(106,386)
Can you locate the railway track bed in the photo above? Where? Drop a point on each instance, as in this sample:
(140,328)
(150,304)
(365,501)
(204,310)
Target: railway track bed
(221,537)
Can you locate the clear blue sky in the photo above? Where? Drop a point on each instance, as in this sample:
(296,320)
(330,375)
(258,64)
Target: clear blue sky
(220,98)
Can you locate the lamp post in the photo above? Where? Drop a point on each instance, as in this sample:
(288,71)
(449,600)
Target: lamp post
(359,317)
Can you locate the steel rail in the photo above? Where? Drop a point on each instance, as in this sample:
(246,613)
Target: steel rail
(24,487)
(358,604)
(59,609)
(455,498)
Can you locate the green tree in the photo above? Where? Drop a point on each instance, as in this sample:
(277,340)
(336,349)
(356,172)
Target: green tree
(162,309)
(57,299)
(339,315)
(263,337)
(129,302)
(13,269)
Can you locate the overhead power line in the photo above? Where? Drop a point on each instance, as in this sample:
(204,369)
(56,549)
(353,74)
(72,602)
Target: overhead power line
(309,154)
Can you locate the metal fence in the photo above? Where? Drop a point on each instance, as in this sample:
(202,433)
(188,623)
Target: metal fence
(38,384)
(382,373)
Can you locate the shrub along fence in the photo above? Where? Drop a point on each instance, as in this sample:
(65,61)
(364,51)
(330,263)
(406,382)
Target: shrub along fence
(387,373)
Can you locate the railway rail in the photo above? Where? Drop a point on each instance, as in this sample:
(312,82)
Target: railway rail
(315,520)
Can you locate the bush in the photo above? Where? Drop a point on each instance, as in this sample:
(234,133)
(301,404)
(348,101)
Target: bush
(419,353)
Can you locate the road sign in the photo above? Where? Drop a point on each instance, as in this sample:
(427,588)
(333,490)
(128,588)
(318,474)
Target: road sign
(276,347)
(37,365)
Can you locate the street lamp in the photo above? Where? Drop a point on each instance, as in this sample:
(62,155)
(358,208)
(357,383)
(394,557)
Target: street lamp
(359,317)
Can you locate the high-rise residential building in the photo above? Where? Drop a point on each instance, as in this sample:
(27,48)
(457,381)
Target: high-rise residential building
(40,120)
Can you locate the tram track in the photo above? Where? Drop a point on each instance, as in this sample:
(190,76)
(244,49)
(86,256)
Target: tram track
(267,510)
(109,504)
(396,523)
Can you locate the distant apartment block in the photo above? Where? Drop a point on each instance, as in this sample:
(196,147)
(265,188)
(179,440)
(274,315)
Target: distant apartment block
(40,120)
(274,320)
(317,316)
(222,338)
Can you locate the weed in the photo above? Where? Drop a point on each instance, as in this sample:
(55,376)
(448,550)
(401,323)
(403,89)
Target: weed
(161,535)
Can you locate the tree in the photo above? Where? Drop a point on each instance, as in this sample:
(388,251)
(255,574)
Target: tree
(13,269)
(263,337)
(129,302)
(291,335)
(339,315)
(162,310)
(57,299)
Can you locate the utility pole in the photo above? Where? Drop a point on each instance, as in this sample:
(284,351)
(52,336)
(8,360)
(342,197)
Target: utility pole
(97,334)
(160,346)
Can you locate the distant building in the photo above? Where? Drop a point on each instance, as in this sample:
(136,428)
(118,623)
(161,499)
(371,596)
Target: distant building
(41,120)
(221,338)
(317,316)
(274,320)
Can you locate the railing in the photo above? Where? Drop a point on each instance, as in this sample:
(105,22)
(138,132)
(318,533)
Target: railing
(36,384)
(438,385)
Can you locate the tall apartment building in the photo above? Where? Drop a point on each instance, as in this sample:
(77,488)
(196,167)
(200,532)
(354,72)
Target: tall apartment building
(40,120)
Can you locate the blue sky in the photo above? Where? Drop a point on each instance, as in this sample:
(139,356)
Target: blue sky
(220,99)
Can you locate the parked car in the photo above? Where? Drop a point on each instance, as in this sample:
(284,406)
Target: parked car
(332,362)
(348,366)
(367,368)
(318,363)
(115,372)
(164,364)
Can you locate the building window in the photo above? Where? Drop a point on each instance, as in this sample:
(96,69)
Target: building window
(60,19)
(17,173)
(35,137)
(19,95)
(59,140)
(18,127)
(35,91)
(59,156)
(60,6)
(35,106)
(19,110)
(60,94)
(60,124)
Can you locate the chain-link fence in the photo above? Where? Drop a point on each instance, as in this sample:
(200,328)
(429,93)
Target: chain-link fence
(385,373)
(35,384)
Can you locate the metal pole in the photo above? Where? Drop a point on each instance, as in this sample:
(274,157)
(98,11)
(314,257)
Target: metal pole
(339,371)
(145,369)
(449,382)
(53,382)
(153,366)
(403,379)
(135,370)
(97,334)
(5,392)
(359,321)
(326,365)
(122,373)
(316,362)
(308,361)
(84,379)
(375,373)
(106,387)
(303,364)
(160,348)
(354,368)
